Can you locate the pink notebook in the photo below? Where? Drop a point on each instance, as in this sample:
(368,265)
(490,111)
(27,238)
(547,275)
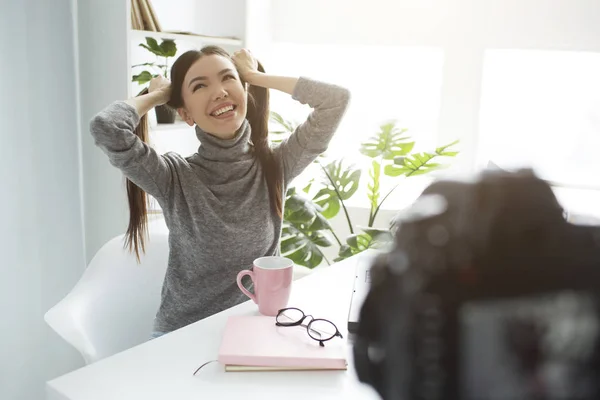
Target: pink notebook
(253,343)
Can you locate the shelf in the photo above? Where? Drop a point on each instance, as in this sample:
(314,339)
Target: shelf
(192,38)
(176,126)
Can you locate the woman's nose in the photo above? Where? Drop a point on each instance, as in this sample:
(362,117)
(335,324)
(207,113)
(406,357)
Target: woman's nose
(220,93)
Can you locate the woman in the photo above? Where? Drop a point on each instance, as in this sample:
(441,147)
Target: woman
(224,204)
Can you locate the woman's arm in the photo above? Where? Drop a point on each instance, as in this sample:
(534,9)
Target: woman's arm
(312,137)
(113,130)
(145,102)
(282,83)
(329,103)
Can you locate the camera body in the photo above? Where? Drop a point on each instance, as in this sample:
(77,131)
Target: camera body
(489,293)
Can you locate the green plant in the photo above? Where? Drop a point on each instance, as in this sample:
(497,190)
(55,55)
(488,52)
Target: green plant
(166,49)
(306,223)
(304,231)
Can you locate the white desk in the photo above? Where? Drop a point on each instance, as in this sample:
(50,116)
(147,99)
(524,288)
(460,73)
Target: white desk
(163,368)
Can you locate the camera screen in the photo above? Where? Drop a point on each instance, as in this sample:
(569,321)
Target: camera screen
(543,347)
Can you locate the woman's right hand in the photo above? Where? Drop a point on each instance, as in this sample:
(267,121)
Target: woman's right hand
(160,88)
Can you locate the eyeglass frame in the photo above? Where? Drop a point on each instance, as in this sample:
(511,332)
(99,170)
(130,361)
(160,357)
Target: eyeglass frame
(308,329)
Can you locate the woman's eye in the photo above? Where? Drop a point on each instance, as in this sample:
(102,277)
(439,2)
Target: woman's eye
(198,86)
(228,77)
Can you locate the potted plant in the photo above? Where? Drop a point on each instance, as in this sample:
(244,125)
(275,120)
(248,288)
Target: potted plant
(166,49)
(307,211)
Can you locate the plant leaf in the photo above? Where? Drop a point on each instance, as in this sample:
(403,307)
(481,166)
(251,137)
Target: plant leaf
(299,209)
(355,244)
(152,46)
(373,186)
(345,252)
(152,43)
(327,198)
(380,237)
(284,128)
(288,126)
(144,65)
(388,143)
(339,184)
(304,230)
(297,246)
(442,150)
(419,163)
(308,186)
(168,48)
(142,78)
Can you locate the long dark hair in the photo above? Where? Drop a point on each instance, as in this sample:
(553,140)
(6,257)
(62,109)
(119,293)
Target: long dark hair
(257,115)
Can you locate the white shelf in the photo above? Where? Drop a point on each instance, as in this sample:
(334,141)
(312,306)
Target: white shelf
(200,40)
(176,126)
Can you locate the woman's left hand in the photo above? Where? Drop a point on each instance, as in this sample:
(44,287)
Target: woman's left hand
(246,64)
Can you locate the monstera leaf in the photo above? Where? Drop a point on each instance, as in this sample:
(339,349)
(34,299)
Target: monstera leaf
(304,230)
(388,143)
(370,238)
(373,186)
(419,163)
(339,185)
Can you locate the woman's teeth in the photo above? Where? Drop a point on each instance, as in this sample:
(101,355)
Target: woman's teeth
(223,110)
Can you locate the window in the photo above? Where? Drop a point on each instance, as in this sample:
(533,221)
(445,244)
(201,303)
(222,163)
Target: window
(542,109)
(387,83)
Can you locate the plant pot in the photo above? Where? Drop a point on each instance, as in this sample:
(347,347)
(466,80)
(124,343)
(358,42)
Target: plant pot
(165,114)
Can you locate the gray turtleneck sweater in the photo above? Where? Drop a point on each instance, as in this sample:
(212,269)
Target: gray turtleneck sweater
(215,202)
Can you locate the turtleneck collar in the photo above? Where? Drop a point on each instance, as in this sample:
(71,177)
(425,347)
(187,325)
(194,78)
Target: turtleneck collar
(216,149)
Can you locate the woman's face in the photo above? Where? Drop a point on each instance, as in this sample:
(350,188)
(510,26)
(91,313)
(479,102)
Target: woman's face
(214,97)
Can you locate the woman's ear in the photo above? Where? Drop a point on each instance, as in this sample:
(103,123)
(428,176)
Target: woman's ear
(185,116)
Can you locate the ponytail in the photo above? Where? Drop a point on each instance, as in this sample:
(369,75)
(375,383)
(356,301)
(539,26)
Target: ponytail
(258,116)
(137,230)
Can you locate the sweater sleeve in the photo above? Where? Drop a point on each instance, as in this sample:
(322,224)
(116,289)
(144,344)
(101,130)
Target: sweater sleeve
(113,132)
(312,137)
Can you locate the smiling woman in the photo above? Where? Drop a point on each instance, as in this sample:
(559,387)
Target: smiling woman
(223,204)
(209,92)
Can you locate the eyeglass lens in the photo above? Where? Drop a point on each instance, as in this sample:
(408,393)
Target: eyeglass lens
(318,329)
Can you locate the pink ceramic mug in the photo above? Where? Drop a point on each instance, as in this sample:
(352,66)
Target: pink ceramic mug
(272,278)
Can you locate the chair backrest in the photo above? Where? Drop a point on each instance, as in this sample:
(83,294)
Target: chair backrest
(112,306)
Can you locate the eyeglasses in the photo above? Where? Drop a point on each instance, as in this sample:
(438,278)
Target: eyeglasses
(318,329)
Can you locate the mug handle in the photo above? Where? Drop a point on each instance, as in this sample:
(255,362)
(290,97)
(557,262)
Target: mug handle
(240,275)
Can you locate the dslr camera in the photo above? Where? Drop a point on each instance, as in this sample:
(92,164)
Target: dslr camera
(488,293)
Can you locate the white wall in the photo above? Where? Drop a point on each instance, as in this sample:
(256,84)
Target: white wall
(176,15)
(440,22)
(104,78)
(40,228)
(221,18)
(204,17)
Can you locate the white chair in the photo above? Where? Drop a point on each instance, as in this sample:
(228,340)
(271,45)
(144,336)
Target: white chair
(112,306)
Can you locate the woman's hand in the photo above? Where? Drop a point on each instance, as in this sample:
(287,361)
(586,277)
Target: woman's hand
(160,89)
(246,65)
(159,93)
